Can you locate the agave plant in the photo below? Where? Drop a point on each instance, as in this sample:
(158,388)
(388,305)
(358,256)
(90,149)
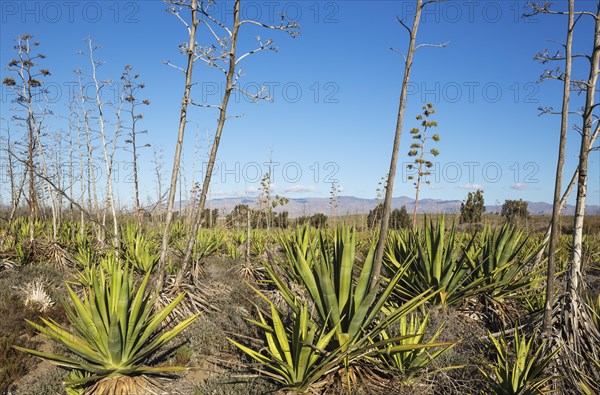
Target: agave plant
(67,233)
(15,253)
(298,245)
(534,300)
(348,320)
(259,242)
(351,307)
(302,236)
(84,256)
(502,262)
(139,251)
(348,306)
(114,331)
(519,369)
(177,232)
(21,228)
(416,355)
(207,243)
(235,244)
(85,276)
(590,251)
(296,354)
(233,251)
(433,262)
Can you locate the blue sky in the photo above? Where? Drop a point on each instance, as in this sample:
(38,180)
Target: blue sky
(335,92)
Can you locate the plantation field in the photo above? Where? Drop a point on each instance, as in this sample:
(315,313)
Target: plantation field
(285,310)
(161,233)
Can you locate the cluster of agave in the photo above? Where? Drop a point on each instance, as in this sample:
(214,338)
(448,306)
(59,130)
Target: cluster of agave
(329,317)
(334,319)
(495,263)
(343,323)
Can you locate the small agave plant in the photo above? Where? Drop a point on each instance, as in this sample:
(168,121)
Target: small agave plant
(113,331)
(519,368)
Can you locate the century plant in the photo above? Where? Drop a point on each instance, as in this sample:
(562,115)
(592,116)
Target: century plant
(433,262)
(296,354)
(207,244)
(259,243)
(223,54)
(85,253)
(131,87)
(502,260)
(138,250)
(28,83)
(298,245)
(343,304)
(411,362)
(417,150)
(347,312)
(235,243)
(519,368)
(14,253)
(113,331)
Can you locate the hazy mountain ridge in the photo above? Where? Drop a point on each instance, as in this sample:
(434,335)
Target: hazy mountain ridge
(353,205)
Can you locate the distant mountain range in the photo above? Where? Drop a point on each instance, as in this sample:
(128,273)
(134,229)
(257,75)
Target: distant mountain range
(348,205)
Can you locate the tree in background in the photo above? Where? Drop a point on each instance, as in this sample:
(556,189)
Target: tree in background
(374,217)
(514,209)
(281,220)
(472,210)
(417,149)
(209,217)
(238,217)
(399,219)
(318,220)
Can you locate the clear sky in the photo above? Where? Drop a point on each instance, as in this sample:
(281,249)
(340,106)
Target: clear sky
(335,91)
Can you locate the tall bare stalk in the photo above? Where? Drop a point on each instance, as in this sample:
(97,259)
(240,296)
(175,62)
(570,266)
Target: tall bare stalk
(227,61)
(28,82)
(105,143)
(190,52)
(556,203)
(389,187)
